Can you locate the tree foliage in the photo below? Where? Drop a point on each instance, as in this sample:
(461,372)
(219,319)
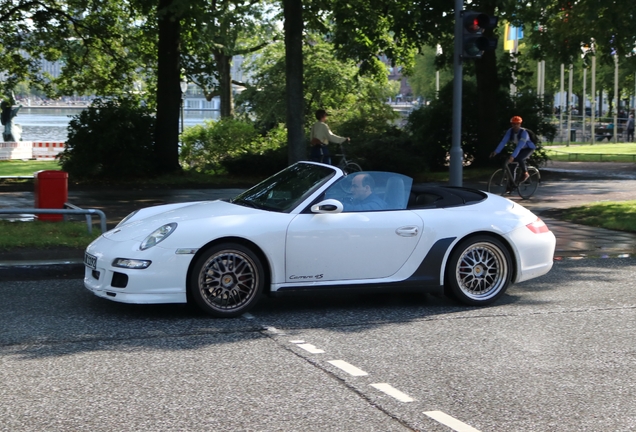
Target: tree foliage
(112,139)
(328,84)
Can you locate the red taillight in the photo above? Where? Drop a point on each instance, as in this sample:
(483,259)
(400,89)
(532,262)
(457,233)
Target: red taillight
(538,227)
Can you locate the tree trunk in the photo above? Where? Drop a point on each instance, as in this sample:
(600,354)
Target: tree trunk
(293,26)
(487,103)
(487,96)
(168,90)
(224,65)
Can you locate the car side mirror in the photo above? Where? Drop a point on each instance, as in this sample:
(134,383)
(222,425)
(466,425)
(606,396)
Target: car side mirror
(328,206)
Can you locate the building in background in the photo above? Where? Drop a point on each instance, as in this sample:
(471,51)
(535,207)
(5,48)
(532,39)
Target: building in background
(395,74)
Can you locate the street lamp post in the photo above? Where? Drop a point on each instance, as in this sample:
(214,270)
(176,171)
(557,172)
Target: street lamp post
(184,88)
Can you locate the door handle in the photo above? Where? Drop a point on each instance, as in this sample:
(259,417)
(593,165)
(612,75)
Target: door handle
(407,231)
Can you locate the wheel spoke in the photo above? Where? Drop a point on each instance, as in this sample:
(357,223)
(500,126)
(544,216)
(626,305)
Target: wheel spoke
(228,280)
(481,271)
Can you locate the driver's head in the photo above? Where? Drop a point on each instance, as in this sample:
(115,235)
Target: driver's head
(362,186)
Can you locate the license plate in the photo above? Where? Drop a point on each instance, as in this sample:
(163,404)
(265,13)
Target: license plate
(90,261)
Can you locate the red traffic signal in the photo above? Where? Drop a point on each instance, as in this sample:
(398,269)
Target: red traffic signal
(474,43)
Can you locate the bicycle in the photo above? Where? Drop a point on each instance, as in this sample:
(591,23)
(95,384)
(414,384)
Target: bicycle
(503,181)
(346,165)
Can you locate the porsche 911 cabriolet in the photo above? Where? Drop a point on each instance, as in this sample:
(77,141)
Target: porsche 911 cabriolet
(313,227)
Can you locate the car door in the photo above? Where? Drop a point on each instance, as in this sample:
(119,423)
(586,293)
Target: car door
(348,246)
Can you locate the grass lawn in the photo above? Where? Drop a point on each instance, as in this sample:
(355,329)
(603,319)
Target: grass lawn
(40,234)
(625,152)
(619,216)
(26,168)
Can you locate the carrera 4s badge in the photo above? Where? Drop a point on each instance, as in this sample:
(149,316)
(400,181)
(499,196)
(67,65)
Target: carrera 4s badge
(294,277)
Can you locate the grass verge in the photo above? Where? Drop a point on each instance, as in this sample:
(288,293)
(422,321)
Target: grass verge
(625,152)
(619,216)
(40,234)
(26,168)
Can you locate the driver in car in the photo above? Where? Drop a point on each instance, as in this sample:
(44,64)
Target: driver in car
(362,196)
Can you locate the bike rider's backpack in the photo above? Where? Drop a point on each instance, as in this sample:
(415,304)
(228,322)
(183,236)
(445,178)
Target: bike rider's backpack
(533,137)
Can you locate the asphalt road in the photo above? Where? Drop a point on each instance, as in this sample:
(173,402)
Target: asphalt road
(554,354)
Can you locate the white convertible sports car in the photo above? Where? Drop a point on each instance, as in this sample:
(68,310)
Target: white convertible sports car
(312,227)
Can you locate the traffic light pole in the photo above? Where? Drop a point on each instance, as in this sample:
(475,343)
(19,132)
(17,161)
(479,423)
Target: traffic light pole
(456,153)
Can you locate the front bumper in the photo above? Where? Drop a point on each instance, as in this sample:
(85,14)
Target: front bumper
(164,281)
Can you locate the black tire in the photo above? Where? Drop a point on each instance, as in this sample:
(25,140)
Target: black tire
(498,183)
(227,280)
(352,167)
(529,187)
(479,270)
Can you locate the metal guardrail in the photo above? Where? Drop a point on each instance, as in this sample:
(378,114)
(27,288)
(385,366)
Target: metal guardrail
(87,212)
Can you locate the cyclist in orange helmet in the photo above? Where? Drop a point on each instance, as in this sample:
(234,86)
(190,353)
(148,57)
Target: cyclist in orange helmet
(524,146)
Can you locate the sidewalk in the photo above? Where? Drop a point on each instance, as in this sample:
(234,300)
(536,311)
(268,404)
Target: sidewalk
(565,184)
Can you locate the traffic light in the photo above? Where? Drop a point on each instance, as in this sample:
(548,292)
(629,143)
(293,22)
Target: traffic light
(474,43)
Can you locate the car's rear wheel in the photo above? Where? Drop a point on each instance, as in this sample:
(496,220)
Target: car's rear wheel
(227,280)
(479,270)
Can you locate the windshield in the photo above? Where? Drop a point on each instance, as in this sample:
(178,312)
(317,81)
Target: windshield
(284,191)
(371,191)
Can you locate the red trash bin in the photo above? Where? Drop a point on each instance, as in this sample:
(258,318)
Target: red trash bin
(51,192)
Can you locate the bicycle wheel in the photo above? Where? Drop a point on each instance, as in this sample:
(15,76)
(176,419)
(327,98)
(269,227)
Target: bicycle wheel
(352,167)
(498,183)
(528,187)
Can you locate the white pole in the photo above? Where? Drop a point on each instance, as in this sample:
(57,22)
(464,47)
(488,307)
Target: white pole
(569,132)
(538,78)
(561,103)
(593,100)
(584,103)
(616,100)
(437,85)
(515,49)
(542,78)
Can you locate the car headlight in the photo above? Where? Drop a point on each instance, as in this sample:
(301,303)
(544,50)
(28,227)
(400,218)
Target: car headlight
(158,235)
(128,263)
(127,218)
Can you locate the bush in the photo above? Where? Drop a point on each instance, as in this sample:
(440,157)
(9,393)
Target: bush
(393,150)
(234,147)
(205,146)
(111,139)
(266,155)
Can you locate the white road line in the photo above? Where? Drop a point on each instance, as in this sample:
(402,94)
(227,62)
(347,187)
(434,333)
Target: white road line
(297,341)
(274,330)
(348,368)
(449,421)
(309,347)
(393,392)
(248,316)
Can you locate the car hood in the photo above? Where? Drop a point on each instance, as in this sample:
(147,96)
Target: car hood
(149,219)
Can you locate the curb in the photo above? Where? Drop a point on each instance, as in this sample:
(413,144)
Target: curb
(36,270)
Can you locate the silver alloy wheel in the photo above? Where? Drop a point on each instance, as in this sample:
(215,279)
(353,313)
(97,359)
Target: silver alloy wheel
(482,271)
(228,280)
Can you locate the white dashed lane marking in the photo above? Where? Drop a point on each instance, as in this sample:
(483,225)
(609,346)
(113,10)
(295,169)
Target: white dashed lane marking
(393,392)
(449,421)
(310,348)
(348,368)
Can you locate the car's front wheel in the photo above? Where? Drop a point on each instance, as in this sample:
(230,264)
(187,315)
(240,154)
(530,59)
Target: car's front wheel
(227,280)
(479,270)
